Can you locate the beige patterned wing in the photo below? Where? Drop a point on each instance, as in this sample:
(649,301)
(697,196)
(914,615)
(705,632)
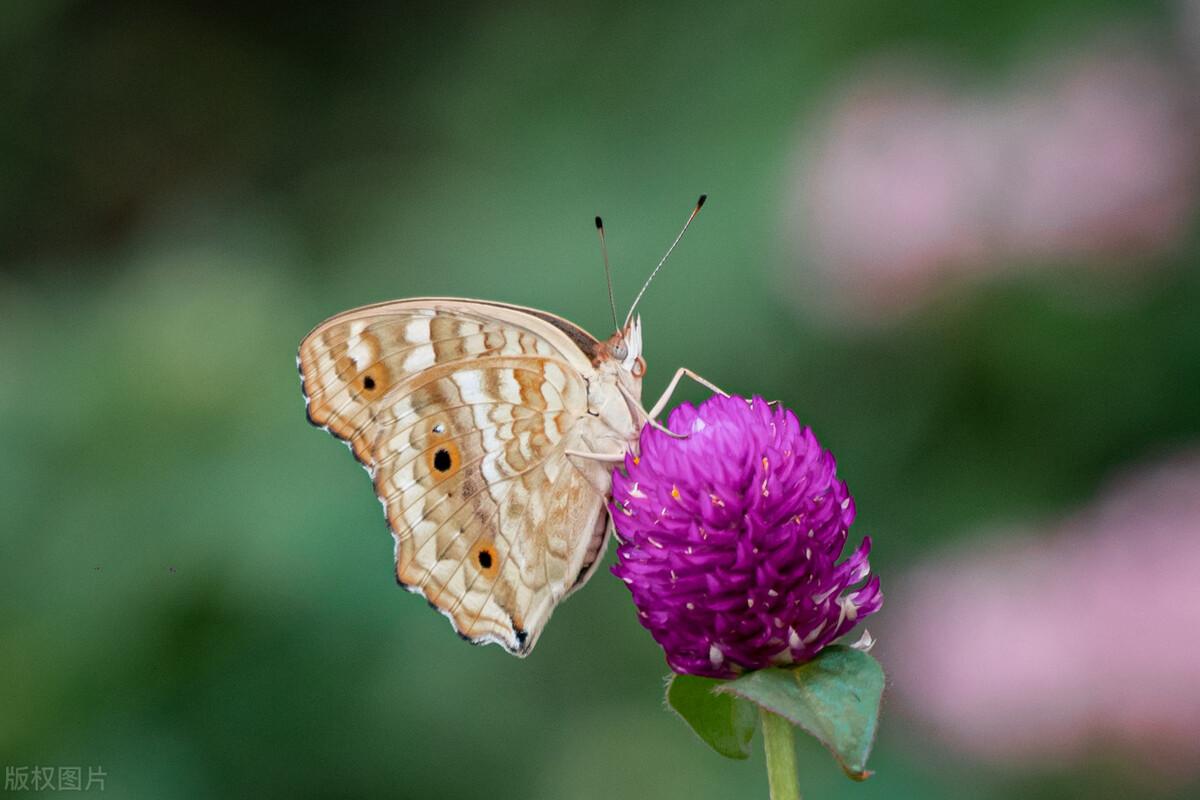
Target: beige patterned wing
(493,523)
(351,362)
(463,421)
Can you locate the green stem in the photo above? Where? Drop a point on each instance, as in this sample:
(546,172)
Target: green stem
(779,743)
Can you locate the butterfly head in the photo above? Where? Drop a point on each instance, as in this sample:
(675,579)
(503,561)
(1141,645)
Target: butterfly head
(625,347)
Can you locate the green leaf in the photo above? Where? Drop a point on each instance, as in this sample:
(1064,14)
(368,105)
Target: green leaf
(726,723)
(835,697)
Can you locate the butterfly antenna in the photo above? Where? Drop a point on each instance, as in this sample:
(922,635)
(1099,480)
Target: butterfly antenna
(691,217)
(607,271)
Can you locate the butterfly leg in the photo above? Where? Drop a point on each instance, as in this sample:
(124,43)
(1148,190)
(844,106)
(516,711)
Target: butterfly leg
(666,395)
(658,426)
(651,421)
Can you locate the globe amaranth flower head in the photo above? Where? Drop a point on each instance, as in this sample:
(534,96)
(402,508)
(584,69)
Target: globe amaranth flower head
(729,539)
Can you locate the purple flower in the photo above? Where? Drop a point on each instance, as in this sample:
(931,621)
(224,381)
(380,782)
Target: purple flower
(729,539)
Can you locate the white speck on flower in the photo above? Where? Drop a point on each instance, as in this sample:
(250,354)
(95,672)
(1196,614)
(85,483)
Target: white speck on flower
(691,606)
(749,602)
(845,504)
(865,642)
(814,633)
(635,492)
(848,609)
(793,638)
(715,656)
(823,596)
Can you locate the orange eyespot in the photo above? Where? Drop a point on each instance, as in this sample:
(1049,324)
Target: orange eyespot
(639,367)
(443,459)
(484,557)
(372,382)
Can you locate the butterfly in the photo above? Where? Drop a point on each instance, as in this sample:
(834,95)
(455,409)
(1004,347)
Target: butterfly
(489,431)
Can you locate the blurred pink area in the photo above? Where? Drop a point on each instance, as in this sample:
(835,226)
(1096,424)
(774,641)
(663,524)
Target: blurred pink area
(1189,31)
(911,186)
(1049,644)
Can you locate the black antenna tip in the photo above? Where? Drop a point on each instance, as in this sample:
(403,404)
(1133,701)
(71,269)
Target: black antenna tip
(599,223)
(700,202)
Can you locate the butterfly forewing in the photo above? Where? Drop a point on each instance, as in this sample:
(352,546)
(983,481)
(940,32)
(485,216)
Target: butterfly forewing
(352,361)
(463,413)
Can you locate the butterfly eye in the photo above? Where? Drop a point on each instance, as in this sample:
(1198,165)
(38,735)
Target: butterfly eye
(619,351)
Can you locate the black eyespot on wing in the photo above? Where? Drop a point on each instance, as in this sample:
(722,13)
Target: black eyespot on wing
(441,460)
(485,559)
(368,383)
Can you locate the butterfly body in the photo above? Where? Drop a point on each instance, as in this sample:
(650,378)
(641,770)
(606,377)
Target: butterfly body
(487,430)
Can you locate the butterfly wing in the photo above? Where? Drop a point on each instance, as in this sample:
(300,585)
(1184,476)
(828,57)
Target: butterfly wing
(463,412)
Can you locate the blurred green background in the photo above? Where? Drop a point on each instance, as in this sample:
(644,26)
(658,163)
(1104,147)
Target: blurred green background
(197,588)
